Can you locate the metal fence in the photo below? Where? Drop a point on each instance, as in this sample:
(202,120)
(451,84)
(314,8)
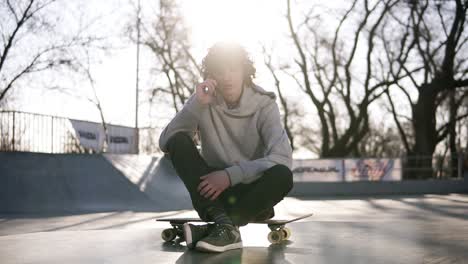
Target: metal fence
(21,131)
(29,132)
(436,166)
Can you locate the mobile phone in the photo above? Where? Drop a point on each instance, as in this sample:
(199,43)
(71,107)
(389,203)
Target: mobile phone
(205,89)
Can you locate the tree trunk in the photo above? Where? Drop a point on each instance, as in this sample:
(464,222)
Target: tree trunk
(424,123)
(452,136)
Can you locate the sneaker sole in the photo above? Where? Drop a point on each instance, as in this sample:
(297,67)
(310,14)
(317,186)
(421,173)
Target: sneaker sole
(203,246)
(188,235)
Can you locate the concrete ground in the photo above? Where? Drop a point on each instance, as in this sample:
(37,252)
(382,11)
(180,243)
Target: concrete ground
(389,229)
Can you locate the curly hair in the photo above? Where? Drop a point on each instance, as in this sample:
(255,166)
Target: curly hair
(228,52)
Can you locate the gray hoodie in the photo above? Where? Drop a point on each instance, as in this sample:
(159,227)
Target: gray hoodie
(246,140)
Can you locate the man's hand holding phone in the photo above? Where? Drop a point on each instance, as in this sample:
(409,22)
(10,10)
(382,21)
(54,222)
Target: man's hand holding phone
(206,91)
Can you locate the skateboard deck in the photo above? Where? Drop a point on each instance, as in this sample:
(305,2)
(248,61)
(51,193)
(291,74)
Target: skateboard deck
(278,233)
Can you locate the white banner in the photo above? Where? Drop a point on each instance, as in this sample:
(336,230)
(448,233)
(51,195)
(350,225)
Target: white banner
(88,134)
(318,170)
(91,135)
(373,170)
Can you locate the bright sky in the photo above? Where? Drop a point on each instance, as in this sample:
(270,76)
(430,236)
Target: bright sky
(247,22)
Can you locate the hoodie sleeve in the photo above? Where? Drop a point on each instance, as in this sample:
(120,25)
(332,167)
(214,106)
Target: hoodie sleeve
(278,148)
(186,120)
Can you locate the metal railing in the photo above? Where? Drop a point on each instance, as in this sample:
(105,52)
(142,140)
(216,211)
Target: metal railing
(22,131)
(30,132)
(435,167)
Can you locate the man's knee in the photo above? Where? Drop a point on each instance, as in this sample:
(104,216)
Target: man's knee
(178,139)
(283,176)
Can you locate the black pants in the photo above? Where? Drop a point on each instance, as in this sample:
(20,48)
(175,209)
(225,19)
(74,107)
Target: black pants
(242,202)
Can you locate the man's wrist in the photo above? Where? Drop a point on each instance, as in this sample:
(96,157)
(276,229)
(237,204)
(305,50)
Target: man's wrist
(196,107)
(235,174)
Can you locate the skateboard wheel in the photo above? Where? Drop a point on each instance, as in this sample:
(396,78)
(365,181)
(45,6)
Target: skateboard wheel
(168,234)
(286,233)
(275,237)
(181,236)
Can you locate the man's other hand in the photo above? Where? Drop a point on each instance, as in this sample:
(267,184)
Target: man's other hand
(213,184)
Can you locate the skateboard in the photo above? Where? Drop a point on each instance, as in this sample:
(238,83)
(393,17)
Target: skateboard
(278,229)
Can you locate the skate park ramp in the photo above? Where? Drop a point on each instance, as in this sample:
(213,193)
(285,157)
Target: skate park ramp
(156,177)
(129,192)
(62,183)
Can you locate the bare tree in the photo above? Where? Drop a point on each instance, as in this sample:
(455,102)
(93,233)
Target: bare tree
(86,68)
(22,24)
(328,76)
(453,104)
(431,51)
(166,35)
(287,123)
(381,142)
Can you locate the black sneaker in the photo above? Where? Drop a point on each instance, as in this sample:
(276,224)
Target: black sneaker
(193,233)
(221,238)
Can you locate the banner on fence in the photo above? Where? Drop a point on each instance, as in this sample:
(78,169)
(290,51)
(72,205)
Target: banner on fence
(373,170)
(91,135)
(318,170)
(339,170)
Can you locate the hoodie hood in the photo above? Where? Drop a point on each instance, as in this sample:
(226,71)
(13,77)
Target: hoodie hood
(253,98)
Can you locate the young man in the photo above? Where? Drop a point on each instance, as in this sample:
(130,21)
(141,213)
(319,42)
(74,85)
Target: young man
(243,169)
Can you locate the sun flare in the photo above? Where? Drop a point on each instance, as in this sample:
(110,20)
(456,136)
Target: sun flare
(246,22)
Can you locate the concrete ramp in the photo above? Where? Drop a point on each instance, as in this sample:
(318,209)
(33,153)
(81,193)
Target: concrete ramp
(154,176)
(62,183)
